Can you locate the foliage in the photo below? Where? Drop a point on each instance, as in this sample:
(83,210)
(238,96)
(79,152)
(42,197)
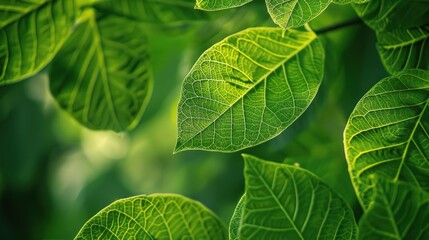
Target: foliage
(250,86)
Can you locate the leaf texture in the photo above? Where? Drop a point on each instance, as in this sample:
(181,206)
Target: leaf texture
(153,11)
(157,216)
(397,211)
(235,223)
(248,88)
(101,76)
(214,5)
(388,15)
(387,135)
(295,13)
(31,33)
(286,202)
(404,49)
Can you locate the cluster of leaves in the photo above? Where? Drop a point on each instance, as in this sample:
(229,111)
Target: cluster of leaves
(241,92)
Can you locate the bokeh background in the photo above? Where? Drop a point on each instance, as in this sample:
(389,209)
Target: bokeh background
(55,174)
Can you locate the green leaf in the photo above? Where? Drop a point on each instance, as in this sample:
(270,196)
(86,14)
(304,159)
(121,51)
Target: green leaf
(101,75)
(387,134)
(385,15)
(154,11)
(397,211)
(31,33)
(248,88)
(287,202)
(214,5)
(343,2)
(235,223)
(295,13)
(404,49)
(157,216)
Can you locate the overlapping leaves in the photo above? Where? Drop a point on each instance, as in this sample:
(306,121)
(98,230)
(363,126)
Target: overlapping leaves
(387,134)
(101,76)
(248,88)
(164,216)
(31,33)
(286,202)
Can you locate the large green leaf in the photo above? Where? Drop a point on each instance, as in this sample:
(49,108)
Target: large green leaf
(214,5)
(388,133)
(31,33)
(158,216)
(295,13)
(101,75)
(287,202)
(154,11)
(404,48)
(235,223)
(248,88)
(384,15)
(396,211)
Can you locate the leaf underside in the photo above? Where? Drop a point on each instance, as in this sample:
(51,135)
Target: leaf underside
(404,49)
(396,211)
(286,202)
(31,33)
(387,134)
(157,216)
(248,88)
(101,76)
(295,13)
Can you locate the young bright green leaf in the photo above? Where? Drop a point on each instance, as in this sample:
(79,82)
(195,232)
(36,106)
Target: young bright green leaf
(31,33)
(214,5)
(295,13)
(287,202)
(404,49)
(154,11)
(387,134)
(248,88)
(387,15)
(235,223)
(396,211)
(157,216)
(101,75)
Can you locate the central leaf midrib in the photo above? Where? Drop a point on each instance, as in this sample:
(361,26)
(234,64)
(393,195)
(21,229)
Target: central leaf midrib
(261,79)
(28,12)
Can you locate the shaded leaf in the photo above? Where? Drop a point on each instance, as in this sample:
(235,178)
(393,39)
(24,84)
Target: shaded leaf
(396,211)
(248,88)
(295,13)
(385,15)
(286,202)
(31,33)
(154,11)
(343,2)
(157,216)
(235,223)
(213,5)
(101,75)
(387,133)
(404,49)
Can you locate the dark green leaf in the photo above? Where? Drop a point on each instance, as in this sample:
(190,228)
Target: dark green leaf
(248,88)
(31,33)
(287,202)
(158,216)
(101,75)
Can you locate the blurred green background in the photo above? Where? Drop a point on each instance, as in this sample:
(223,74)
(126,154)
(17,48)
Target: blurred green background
(55,174)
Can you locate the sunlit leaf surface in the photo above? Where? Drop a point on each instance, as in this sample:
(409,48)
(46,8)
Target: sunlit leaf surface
(101,76)
(212,5)
(396,211)
(387,134)
(248,88)
(287,202)
(404,48)
(31,33)
(158,216)
(295,13)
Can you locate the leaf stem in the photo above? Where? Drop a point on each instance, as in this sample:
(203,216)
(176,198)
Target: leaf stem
(339,26)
